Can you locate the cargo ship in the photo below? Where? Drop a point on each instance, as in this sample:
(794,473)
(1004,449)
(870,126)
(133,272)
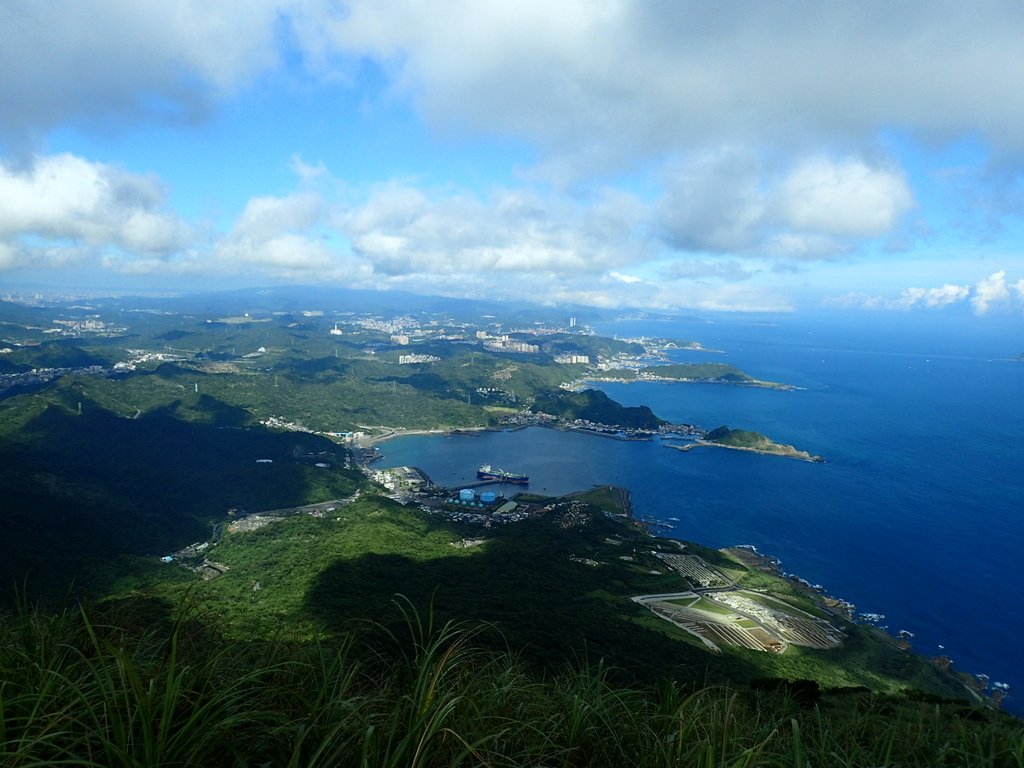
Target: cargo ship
(487,472)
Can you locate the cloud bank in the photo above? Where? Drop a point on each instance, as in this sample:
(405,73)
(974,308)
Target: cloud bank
(988,293)
(679,152)
(616,78)
(64,201)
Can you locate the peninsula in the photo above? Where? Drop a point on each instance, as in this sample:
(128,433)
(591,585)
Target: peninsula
(708,373)
(743,440)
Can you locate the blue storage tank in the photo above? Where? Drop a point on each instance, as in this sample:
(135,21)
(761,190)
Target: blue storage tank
(487,497)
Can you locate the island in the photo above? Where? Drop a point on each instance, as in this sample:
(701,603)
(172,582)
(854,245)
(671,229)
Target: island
(743,440)
(708,373)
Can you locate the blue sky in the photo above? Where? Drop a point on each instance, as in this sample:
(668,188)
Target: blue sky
(757,156)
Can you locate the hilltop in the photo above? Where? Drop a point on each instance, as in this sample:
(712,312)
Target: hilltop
(596,407)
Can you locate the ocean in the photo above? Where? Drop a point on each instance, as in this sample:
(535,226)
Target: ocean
(916,513)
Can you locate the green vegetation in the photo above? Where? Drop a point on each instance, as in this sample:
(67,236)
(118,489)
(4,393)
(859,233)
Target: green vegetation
(590,345)
(135,684)
(684,601)
(82,489)
(710,606)
(739,438)
(720,373)
(288,560)
(755,441)
(61,353)
(595,406)
(607,498)
(324,577)
(702,372)
(322,394)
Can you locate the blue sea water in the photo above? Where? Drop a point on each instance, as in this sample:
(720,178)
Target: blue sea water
(917,512)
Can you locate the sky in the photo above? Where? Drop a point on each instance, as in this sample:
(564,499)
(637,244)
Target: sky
(671,154)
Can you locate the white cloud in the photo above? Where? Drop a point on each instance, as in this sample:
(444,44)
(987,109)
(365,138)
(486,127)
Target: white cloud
(843,198)
(400,230)
(265,217)
(730,202)
(307,173)
(627,279)
(279,237)
(63,198)
(947,294)
(64,210)
(931,297)
(714,203)
(607,291)
(738,298)
(283,253)
(702,269)
(855,300)
(619,79)
(983,296)
(991,290)
(803,246)
(116,60)
(603,82)
(763,119)
(8,256)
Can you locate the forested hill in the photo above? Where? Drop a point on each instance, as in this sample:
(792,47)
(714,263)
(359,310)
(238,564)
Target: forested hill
(594,405)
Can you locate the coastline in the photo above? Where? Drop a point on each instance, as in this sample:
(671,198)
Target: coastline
(393,432)
(795,454)
(750,556)
(589,381)
(622,435)
(834,605)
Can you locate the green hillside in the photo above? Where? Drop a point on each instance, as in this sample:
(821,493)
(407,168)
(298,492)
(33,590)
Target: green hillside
(739,438)
(754,441)
(138,684)
(715,373)
(551,587)
(80,489)
(594,405)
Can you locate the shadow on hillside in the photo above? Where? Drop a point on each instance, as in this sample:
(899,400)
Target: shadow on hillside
(552,610)
(61,353)
(543,606)
(320,367)
(79,487)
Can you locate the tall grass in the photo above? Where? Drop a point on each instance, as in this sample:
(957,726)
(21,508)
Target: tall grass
(84,688)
